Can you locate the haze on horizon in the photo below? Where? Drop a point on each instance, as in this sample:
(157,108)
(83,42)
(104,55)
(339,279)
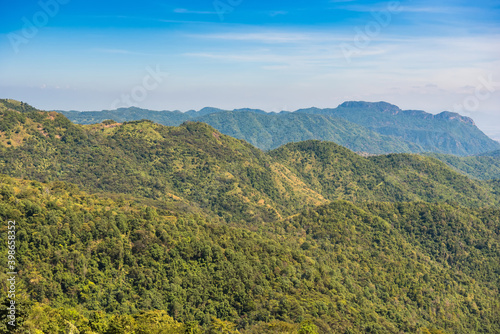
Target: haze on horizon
(167,55)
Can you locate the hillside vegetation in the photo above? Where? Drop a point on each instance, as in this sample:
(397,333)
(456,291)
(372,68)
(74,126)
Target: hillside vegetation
(337,268)
(136,227)
(446,132)
(482,167)
(338,173)
(263,130)
(195,165)
(360,126)
(270,131)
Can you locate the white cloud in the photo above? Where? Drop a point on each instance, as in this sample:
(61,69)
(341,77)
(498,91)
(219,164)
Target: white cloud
(278,12)
(121,51)
(188,11)
(263,37)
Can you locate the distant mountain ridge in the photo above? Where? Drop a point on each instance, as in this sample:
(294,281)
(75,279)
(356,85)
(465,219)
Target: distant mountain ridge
(371,127)
(180,163)
(395,110)
(270,131)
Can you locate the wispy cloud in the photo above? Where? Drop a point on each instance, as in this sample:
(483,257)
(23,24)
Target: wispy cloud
(265,37)
(428,9)
(278,12)
(295,58)
(404,56)
(268,60)
(273,37)
(188,11)
(122,51)
(289,52)
(141,19)
(408,7)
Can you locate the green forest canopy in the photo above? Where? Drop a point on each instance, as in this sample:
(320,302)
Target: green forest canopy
(211,235)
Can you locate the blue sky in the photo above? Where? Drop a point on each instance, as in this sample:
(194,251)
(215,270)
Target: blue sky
(273,55)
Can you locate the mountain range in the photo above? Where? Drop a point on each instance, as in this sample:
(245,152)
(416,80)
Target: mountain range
(375,128)
(137,227)
(195,163)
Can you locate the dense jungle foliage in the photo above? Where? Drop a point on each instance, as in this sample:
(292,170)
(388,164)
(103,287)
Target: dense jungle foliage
(341,268)
(482,167)
(195,165)
(143,228)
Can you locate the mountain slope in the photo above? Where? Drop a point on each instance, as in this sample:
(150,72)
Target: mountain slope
(193,231)
(380,268)
(362,126)
(195,166)
(269,131)
(446,132)
(483,167)
(263,130)
(338,173)
(191,164)
(165,117)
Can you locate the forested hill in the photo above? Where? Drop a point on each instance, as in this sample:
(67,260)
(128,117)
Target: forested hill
(137,227)
(337,268)
(483,167)
(270,131)
(447,132)
(196,166)
(338,173)
(361,126)
(263,130)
